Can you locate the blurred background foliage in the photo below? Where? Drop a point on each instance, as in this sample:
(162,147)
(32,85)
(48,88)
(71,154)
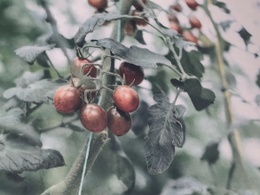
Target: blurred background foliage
(23,23)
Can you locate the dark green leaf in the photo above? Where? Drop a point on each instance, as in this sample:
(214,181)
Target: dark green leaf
(139,37)
(258,79)
(165,132)
(211,153)
(94,22)
(245,35)
(17,155)
(177,83)
(30,53)
(222,5)
(134,55)
(200,97)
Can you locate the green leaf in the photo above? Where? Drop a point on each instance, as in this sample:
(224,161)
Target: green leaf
(30,53)
(18,155)
(166,130)
(37,92)
(139,37)
(134,55)
(245,35)
(200,97)
(11,122)
(258,79)
(94,22)
(211,153)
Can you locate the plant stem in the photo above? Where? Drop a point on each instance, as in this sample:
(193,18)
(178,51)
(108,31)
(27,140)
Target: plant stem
(234,137)
(85,163)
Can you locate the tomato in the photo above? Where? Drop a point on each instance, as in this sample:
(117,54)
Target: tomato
(67,99)
(192,4)
(194,22)
(189,36)
(126,98)
(93,117)
(177,7)
(118,122)
(131,73)
(89,70)
(99,4)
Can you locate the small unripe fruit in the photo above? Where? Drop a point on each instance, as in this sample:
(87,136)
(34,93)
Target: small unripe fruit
(67,99)
(99,4)
(131,73)
(126,98)
(118,122)
(194,22)
(192,4)
(93,117)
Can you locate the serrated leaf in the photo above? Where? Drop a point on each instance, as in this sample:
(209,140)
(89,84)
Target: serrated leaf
(211,153)
(134,55)
(165,132)
(11,122)
(30,53)
(37,92)
(200,97)
(94,22)
(28,78)
(17,155)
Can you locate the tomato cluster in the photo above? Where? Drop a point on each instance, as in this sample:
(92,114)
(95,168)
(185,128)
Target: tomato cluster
(74,97)
(195,23)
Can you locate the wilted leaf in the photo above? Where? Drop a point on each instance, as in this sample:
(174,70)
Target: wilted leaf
(135,55)
(30,53)
(94,22)
(200,97)
(165,132)
(17,155)
(211,153)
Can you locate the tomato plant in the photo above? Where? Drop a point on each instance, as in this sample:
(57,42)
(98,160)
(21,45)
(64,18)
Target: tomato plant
(79,109)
